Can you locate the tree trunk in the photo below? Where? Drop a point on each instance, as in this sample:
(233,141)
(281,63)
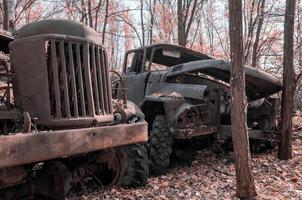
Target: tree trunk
(84,18)
(90,14)
(151,11)
(142,22)
(257,37)
(180,24)
(289,83)
(244,176)
(5,15)
(105,22)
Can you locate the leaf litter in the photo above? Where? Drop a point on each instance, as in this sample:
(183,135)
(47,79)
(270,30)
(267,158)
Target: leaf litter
(212,176)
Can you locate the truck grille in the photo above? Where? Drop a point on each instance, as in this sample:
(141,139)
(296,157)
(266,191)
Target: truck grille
(78,79)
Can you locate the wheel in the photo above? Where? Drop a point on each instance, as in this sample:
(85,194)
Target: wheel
(137,170)
(160,146)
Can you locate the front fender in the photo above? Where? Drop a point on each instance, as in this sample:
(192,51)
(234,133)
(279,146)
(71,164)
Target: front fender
(127,112)
(171,107)
(134,110)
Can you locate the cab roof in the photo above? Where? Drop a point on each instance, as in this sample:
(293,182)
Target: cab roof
(169,54)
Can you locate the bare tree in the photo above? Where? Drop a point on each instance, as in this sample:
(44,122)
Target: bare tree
(90,14)
(142,21)
(105,22)
(152,5)
(5,15)
(186,12)
(289,83)
(258,31)
(244,176)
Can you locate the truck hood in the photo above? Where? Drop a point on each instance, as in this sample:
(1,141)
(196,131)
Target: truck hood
(259,84)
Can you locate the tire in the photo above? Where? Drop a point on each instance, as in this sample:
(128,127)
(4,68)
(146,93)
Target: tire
(160,146)
(137,172)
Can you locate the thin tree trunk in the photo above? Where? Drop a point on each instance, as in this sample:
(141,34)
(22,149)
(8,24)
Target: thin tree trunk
(84,14)
(257,37)
(244,176)
(142,22)
(90,14)
(97,15)
(289,83)
(180,24)
(191,17)
(152,11)
(5,15)
(105,22)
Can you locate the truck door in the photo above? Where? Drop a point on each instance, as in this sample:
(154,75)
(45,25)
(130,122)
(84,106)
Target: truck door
(135,77)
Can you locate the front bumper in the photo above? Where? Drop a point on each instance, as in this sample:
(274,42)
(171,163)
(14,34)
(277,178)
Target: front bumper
(22,149)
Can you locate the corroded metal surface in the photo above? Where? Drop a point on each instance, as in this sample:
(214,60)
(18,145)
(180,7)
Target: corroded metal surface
(58,128)
(259,84)
(33,147)
(64,80)
(167,80)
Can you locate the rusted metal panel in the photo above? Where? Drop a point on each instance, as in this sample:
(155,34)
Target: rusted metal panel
(259,84)
(34,147)
(29,82)
(64,75)
(182,77)
(59,27)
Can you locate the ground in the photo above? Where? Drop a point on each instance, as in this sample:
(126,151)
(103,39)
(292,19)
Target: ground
(212,176)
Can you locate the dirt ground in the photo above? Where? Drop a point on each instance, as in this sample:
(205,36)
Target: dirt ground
(213,177)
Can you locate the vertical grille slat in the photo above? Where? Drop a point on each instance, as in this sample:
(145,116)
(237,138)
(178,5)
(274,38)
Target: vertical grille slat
(64,80)
(100,79)
(80,79)
(88,83)
(54,65)
(95,81)
(73,80)
(78,76)
(107,75)
(105,92)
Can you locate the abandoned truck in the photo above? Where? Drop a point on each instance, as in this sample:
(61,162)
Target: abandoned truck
(185,94)
(59,126)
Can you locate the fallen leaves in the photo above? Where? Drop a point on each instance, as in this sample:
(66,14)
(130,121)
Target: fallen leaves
(213,177)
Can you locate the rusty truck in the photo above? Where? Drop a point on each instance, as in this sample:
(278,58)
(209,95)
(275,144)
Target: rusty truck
(185,94)
(59,126)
